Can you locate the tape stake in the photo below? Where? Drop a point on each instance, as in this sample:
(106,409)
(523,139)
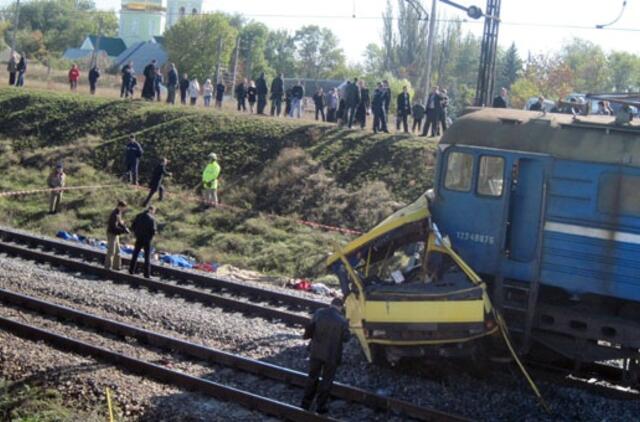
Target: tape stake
(109,404)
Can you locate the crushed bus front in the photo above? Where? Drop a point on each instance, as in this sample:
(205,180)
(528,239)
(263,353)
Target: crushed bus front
(408,294)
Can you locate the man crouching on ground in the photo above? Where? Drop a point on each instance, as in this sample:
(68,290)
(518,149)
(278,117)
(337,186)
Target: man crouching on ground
(327,330)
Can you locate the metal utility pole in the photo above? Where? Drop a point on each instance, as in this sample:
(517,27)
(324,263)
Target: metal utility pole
(96,48)
(473,12)
(235,62)
(218,53)
(487,70)
(430,42)
(15,28)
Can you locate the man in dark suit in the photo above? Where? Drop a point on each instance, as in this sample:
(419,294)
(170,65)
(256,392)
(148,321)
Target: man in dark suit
(327,330)
(404,109)
(433,110)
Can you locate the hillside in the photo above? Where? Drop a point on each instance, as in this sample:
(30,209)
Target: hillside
(245,143)
(282,167)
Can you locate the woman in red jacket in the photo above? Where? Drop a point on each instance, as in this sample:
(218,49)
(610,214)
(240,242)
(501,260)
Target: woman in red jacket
(74,75)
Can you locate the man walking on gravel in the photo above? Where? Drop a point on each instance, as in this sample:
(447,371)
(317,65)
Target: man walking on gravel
(210,181)
(327,330)
(115,228)
(155,185)
(144,226)
(132,159)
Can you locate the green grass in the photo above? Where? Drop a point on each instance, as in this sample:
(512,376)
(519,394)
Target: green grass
(33,403)
(246,239)
(295,169)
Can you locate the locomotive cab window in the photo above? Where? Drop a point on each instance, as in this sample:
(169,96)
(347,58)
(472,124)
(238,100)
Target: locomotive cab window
(619,194)
(459,171)
(490,175)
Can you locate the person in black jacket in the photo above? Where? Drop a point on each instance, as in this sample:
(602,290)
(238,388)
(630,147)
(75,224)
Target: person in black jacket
(261,91)
(172,84)
(184,87)
(377,106)
(127,75)
(115,228)
(327,330)
(94,75)
(277,91)
(144,226)
(433,109)
(404,110)
(501,100)
(297,94)
(132,157)
(363,106)
(220,93)
(241,95)
(318,101)
(148,88)
(351,100)
(387,98)
(155,185)
(22,69)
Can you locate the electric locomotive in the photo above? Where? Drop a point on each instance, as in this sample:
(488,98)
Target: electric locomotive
(546,209)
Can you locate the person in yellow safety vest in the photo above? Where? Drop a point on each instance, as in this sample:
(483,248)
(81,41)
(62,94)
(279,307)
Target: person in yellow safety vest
(210,181)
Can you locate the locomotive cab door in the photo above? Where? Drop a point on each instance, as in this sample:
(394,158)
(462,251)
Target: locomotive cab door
(524,217)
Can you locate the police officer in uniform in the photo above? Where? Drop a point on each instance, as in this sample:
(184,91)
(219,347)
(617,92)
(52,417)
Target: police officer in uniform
(327,330)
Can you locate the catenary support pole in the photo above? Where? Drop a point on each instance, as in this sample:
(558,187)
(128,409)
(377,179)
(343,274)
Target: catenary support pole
(15,27)
(430,43)
(235,63)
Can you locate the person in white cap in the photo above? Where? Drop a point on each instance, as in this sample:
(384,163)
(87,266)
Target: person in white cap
(210,181)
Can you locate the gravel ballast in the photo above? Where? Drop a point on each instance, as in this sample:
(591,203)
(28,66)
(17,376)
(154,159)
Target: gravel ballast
(443,386)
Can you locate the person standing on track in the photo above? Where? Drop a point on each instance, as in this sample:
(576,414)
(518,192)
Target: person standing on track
(155,185)
(115,228)
(327,330)
(132,159)
(56,181)
(210,181)
(144,226)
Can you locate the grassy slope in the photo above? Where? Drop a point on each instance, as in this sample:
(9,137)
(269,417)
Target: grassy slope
(187,135)
(40,128)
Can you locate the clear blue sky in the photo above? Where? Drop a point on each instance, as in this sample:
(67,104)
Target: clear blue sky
(355,34)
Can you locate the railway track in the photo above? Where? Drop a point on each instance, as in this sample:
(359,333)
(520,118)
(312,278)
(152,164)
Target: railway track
(195,352)
(248,299)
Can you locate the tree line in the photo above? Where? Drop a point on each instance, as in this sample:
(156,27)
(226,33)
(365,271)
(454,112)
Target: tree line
(198,43)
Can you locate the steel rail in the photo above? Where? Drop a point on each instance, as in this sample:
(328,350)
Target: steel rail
(162,374)
(256,367)
(199,280)
(153,285)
